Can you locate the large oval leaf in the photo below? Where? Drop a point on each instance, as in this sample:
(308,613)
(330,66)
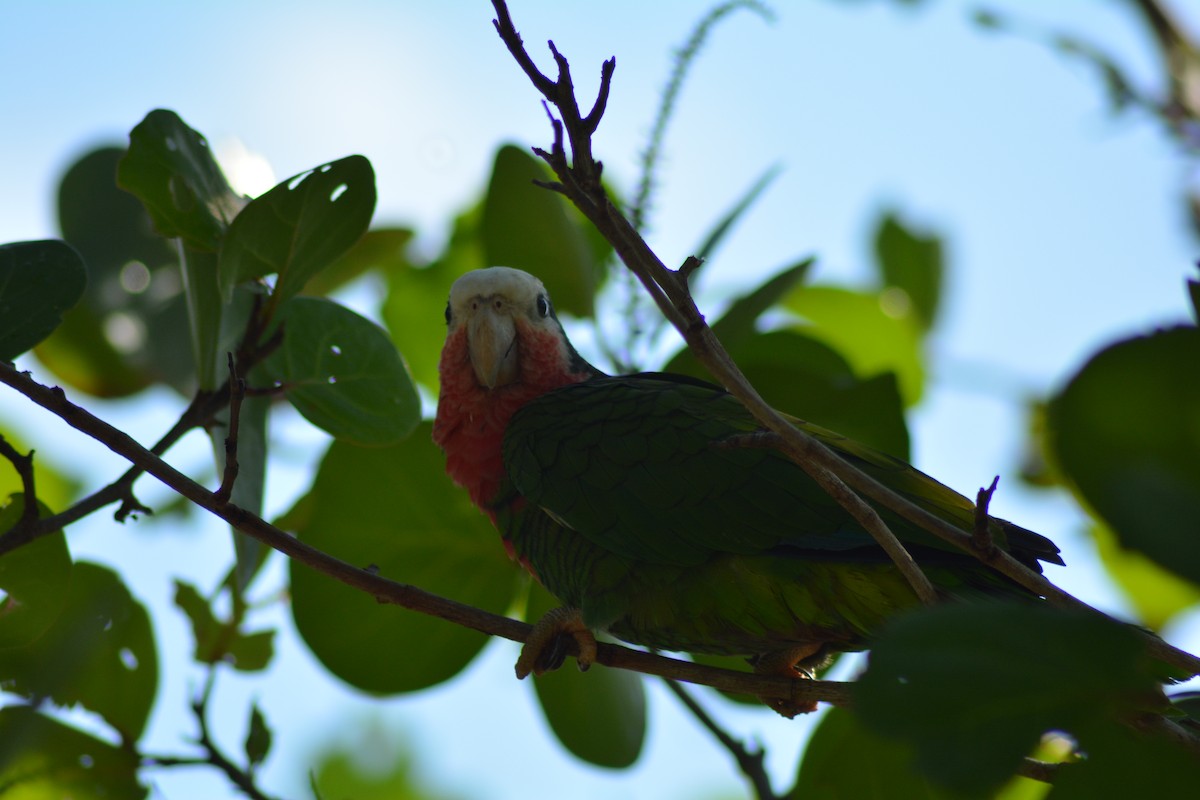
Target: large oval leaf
(342,372)
(300,227)
(34,580)
(532,228)
(99,653)
(170,168)
(600,715)
(395,508)
(1126,432)
(38,282)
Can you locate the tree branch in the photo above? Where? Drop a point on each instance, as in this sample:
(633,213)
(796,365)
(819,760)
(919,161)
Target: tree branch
(580,183)
(53,399)
(23,464)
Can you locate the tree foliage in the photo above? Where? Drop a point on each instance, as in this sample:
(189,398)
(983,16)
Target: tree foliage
(952,699)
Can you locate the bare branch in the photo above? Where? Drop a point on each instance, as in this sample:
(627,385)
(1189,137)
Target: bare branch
(237,393)
(23,464)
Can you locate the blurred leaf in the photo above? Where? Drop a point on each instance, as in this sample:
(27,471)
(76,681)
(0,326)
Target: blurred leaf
(342,372)
(376,763)
(719,231)
(34,580)
(38,282)
(1126,432)
(738,321)
(845,760)
(131,327)
(1121,763)
(299,227)
(250,486)
(222,641)
(42,758)
(1194,294)
(382,249)
(1156,594)
(170,168)
(872,336)
(532,228)
(258,737)
(600,715)
(99,653)
(912,264)
(416,300)
(395,508)
(1037,467)
(972,687)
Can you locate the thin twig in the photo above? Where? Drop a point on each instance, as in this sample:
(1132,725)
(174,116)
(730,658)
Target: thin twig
(23,464)
(53,399)
(240,778)
(981,535)
(237,393)
(750,762)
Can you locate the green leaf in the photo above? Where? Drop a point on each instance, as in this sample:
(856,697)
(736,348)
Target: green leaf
(600,715)
(170,168)
(394,508)
(99,653)
(911,266)
(258,737)
(381,249)
(222,641)
(131,328)
(1126,432)
(738,321)
(1157,595)
(42,758)
(300,227)
(1121,763)
(845,760)
(38,282)
(871,335)
(34,580)
(532,228)
(367,759)
(342,372)
(972,687)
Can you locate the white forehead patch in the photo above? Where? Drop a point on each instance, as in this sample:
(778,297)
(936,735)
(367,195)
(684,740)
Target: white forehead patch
(517,286)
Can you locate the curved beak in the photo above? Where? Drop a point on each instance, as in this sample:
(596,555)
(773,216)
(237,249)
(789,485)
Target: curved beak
(492,343)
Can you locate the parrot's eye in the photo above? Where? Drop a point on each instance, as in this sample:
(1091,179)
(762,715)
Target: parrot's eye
(543,306)
(447,313)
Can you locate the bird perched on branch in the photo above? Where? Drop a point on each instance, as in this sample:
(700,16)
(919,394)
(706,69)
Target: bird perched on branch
(634,501)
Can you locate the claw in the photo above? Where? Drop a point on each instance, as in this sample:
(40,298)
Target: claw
(546,648)
(791,663)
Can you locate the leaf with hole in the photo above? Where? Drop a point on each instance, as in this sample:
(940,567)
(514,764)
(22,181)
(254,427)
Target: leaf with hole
(342,372)
(394,508)
(34,580)
(171,169)
(300,227)
(99,653)
(39,281)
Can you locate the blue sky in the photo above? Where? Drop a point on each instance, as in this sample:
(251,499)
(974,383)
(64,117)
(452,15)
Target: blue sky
(1064,231)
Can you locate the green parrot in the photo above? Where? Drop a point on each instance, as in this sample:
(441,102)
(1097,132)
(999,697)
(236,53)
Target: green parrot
(626,498)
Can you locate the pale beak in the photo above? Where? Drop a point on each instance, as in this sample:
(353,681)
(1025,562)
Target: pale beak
(492,342)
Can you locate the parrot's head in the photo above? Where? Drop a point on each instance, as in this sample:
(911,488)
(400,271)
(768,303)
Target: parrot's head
(500,321)
(504,347)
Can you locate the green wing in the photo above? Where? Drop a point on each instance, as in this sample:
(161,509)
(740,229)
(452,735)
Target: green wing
(640,465)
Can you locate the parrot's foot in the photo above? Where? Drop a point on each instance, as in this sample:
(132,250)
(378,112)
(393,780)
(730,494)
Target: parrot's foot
(791,663)
(546,647)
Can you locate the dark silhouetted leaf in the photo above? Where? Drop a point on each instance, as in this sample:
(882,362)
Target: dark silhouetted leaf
(299,227)
(972,687)
(99,653)
(1122,763)
(258,737)
(221,641)
(910,263)
(170,168)
(38,282)
(395,508)
(42,758)
(34,580)
(600,715)
(342,372)
(531,228)
(1125,432)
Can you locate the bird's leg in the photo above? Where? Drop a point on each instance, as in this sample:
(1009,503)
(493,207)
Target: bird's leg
(790,663)
(545,649)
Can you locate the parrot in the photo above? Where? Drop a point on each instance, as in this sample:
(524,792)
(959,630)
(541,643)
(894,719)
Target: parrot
(634,501)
